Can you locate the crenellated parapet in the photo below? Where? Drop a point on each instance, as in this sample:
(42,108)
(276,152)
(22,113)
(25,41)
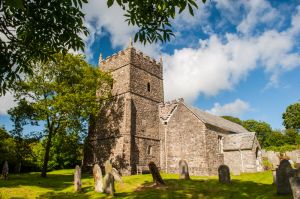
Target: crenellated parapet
(134,57)
(144,62)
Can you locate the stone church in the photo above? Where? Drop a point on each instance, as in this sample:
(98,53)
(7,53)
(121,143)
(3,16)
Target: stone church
(136,126)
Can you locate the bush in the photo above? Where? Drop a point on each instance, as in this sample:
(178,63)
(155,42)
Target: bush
(282,148)
(267,164)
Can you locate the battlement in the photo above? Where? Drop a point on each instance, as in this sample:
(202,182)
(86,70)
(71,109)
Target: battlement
(133,57)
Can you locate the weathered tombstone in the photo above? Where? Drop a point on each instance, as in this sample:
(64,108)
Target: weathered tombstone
(97,178)
(224,174)
(183,170)
(5,170)
(77,178)
(116,175)
(155,174)
(295,186)
(108,167)
(109,184)
(283,173)
(108,181)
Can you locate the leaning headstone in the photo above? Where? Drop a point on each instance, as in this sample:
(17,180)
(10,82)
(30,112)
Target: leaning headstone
(108,167)
(97,178)
(116,175)
(283,173)
(77,178)
(108,181)
(183,170)
(5,170)
(295,186)
(224,174)
(109,184)
(155,174)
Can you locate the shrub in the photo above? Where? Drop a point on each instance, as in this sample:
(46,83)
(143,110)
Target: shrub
(267,164)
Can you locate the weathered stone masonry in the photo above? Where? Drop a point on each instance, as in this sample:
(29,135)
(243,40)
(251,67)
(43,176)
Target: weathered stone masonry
(137,127)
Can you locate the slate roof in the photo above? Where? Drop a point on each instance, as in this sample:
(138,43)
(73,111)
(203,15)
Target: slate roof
(167,109)
(218,121)
(239,141)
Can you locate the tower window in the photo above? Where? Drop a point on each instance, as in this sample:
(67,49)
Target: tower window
(149,150)
(148,87)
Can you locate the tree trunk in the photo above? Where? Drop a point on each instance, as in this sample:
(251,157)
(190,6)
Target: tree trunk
(46,156)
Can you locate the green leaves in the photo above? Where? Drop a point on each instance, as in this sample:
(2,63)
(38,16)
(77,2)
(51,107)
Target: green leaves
(111,2)
(153,17)
(43,28)
(291,117)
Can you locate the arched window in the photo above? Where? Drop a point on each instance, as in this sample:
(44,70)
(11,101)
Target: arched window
(148,87)
(149,150)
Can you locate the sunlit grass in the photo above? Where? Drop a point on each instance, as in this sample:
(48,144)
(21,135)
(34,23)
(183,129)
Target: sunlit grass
(59,184)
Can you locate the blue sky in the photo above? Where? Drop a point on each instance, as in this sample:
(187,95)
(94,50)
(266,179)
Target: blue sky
(238,58)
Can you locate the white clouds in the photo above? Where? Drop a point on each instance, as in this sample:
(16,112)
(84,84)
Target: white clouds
(218,65)
(258,12)
(6,102)
(236,108)
(99,16)
(215,64)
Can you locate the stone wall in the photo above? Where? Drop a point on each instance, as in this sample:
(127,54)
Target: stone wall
(215,157)
(244,160)
(145,131)
(233,160)
(185,136)
(272,156)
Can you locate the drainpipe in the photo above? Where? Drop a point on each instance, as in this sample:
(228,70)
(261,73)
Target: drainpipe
(166,150)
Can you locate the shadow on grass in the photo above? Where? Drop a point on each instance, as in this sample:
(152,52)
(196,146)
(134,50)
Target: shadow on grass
(205,189)
(174,188)
(55,182)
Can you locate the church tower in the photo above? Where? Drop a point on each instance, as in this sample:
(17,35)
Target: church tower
(127,130)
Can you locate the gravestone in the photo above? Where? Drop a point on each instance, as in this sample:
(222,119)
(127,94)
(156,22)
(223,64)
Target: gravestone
(283,173)
(224,174)
(77,178)
(155,174)
(295,186)
(116,175)
(5,170)
(108,167)
(108,181)
(109,184)
(97,178)
(183,170)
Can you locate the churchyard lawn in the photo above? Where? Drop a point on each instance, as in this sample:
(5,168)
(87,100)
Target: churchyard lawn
(59,184)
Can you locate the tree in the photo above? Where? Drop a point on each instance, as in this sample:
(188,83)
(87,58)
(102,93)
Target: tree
(7,147)
(262,129)
(34,30)
(275,138)
(291,117)
(62,95)
(290,136)
(233,119)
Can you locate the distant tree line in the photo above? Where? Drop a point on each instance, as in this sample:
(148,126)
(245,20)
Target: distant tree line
(275,139)
(26,154)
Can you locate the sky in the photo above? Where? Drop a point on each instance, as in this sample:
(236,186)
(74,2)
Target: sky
(238,58)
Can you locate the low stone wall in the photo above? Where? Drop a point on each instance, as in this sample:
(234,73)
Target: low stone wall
(273,156)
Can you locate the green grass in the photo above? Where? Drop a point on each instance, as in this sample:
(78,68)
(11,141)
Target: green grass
(59,184)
